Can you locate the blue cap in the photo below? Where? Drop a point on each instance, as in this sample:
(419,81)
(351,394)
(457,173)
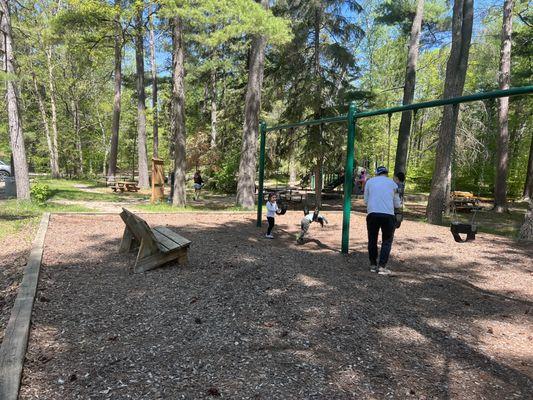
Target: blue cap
(382,170)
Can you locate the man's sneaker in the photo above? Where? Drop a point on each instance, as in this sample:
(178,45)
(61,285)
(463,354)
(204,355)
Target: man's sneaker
(373,268)
(384,271)
(269,236)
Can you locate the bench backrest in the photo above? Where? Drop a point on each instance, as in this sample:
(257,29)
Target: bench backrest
(139,228)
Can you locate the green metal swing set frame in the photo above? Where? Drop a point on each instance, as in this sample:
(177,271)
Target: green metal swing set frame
(351,119)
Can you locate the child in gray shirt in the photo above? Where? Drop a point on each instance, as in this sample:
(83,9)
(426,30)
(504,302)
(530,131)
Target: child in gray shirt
(310,217)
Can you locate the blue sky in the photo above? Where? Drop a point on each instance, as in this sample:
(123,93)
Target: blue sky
(481,8)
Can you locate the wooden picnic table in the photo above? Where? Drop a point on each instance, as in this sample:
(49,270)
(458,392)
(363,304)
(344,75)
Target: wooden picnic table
(465,201)
(125,187)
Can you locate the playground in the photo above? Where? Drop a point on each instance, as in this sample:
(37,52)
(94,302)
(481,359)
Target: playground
(193,195)
(256,318)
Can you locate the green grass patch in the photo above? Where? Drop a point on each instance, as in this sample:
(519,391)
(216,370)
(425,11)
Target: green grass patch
(504,224)
(63,189)
(19,215)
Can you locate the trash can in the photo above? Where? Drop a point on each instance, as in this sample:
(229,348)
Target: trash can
(10,187)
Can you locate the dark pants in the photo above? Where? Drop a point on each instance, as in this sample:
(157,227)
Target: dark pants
(375,222)
(270,224)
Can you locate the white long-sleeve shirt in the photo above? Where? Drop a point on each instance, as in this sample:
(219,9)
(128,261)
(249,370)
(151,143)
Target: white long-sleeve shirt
(381,195)
(271,209)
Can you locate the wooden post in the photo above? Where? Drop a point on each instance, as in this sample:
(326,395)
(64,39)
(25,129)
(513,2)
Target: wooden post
(158,180)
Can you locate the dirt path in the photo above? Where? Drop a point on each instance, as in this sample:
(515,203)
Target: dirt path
(252,318)
(103,206)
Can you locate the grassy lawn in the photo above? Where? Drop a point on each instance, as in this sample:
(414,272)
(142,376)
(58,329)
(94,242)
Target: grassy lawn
(505,224)
(63,189)
(18,215)
(15,216)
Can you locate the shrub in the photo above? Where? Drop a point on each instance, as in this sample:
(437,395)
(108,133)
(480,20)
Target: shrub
(223,178)
(40,192)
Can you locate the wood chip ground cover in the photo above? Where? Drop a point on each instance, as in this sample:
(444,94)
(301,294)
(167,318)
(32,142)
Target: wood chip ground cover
(14,252)
(252,318)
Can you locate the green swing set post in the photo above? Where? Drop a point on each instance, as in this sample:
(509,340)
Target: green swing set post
(348,179)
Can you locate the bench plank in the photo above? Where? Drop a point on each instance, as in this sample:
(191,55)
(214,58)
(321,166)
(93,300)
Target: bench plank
(175,237)
(164,243)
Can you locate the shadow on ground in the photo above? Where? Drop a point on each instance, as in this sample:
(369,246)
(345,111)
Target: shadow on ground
(252,318)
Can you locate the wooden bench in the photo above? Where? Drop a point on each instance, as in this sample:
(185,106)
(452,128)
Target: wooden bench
(157,246)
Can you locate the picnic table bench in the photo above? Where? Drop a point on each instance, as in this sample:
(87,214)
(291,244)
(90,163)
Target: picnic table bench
(157,246)
(125,186)
(288,194)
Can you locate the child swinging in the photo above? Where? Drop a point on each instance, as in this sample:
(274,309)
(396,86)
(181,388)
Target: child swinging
(309,217)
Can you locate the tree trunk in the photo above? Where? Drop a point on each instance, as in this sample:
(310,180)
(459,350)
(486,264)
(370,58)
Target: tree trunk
(53,111)
(526,230)
(502,166)
(528,187)
(115,124)
(453,86)
(293,179)
(409,90)
(178,113)
(213,108)
(77,135)
(154,90)
(16,137)
(104,145)
(252,106)
(142,157)
(316,131)
(318,182)
(54,167)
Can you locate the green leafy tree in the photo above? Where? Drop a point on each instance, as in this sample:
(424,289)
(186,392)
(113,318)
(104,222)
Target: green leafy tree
(317,68)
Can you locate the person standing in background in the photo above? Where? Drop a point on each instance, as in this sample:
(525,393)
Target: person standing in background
(198,184)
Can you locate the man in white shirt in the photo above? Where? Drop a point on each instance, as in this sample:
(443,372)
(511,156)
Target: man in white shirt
(381,198)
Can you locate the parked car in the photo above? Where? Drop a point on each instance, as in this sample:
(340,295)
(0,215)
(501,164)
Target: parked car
(5,170)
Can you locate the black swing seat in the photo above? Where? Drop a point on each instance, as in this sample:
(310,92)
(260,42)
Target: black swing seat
(458,228)
(282,209)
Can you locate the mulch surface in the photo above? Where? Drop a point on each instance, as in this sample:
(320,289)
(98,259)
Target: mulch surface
(252,318)
(14,252)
